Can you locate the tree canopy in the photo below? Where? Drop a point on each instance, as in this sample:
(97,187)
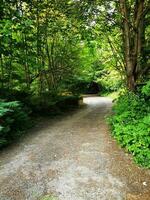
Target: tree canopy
(45,43)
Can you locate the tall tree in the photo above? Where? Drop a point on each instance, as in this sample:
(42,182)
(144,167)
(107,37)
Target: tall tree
(133,15)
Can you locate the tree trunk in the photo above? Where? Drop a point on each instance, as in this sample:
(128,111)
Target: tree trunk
(131,82)
(26,65)
(132,31)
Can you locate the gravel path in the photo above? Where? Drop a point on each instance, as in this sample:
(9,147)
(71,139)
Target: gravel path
(72,158)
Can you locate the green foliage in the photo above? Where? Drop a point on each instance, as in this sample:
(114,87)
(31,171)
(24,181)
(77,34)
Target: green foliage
(53,105)
(146,89)
(13,121)
(14,118)
(110,81)
(45,44)
(131,126)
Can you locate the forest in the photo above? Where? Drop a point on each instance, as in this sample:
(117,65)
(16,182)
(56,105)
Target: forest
(52,52)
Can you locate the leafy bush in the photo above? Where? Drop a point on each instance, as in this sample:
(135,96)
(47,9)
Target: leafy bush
(53,105)
(146,89)
(131,126)
(14,118)
(82,86)
(110,81)
(65,102)
(13,121)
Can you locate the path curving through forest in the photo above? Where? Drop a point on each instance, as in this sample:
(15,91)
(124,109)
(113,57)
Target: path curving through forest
(72,158)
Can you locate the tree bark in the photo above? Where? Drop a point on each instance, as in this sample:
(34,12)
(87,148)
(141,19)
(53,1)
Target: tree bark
(133,34)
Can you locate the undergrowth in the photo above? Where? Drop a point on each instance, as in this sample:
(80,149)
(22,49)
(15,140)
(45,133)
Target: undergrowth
(131,124)
(14,120)
(15,117)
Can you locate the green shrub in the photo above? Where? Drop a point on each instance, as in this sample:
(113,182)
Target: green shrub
(13,121)
(66,102)
(110,81)
(146,89)
(53,105)
(131,126)
(14,118)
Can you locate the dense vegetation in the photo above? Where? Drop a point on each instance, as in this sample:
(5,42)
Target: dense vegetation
(14,119)
(131,124)
(51,52)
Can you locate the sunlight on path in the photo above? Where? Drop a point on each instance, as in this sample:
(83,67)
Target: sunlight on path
(97,101)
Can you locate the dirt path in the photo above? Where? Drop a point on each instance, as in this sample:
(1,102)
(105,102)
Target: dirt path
(72,158)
